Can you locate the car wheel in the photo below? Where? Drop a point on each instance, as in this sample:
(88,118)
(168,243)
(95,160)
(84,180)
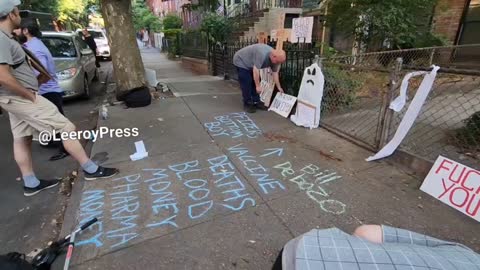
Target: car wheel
(86,87)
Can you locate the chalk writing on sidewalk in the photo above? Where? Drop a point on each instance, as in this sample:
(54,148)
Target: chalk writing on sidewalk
(257,170)
(312,180)
(118,207)
(154,200)
(233,125)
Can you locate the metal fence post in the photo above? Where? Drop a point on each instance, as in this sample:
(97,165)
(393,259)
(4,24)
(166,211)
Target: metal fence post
(386,115)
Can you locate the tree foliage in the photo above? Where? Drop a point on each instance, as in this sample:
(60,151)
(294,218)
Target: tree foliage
(217,27)
(71,12)
(143,17)
(48,6)
(400,23)
(172,21)
(205,5)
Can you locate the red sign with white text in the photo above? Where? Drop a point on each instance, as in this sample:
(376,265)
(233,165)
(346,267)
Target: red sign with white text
(456,185)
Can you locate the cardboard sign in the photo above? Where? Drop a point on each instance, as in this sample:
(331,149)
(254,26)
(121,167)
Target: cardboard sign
(267,84)
(283,104)
(302,29)
(267,92)
(456,185)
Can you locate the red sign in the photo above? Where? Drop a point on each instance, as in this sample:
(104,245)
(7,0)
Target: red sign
(456,185)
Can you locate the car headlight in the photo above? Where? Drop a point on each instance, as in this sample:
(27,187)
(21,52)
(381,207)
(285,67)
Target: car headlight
(66,74)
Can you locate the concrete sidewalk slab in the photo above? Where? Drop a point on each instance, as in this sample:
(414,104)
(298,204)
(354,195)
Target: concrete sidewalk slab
(215,87)
(159,195)
(252,182)
(160,124)
(245,240)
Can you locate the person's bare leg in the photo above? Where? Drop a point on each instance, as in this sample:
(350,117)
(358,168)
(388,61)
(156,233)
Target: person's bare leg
(22,151)
(75,149)
(372,233)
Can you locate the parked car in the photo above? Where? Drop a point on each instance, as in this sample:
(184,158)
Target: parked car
(74,62)
(101,40)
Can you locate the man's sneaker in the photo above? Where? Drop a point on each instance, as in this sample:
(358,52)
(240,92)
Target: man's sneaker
(261,106)
(249,108)
(41,187)
(101,173)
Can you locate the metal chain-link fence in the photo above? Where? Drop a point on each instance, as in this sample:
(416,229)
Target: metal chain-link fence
(359,90)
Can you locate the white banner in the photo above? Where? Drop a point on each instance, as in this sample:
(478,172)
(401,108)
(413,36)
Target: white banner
(398,104)
(455,185)
(410,116)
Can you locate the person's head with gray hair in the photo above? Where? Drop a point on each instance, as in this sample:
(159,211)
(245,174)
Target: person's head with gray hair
(9,15)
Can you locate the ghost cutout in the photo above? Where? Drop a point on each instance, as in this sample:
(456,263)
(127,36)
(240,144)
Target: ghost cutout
(310,98)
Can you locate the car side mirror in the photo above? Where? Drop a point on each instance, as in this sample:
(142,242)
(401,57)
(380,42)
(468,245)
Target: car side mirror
(86,52)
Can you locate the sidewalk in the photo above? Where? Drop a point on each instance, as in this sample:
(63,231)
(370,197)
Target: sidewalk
(221,189)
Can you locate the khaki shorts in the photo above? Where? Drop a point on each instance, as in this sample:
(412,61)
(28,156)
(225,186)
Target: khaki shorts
(30,118)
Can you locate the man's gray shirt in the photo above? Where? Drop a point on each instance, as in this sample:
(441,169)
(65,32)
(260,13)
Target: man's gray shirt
(257,55)
(12,54)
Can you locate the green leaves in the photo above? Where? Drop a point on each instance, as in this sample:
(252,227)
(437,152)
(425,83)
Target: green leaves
(400,22)
(172,21)
(143,17)
(217,27)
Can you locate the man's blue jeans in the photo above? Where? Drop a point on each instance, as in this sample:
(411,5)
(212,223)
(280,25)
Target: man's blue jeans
(247,84)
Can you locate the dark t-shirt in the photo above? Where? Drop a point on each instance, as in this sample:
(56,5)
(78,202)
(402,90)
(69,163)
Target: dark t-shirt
(91,43)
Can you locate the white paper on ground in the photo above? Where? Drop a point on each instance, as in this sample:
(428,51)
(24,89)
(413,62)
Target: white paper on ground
(311,92)
(283,104)
(140,153)
(410,116)
(398,104)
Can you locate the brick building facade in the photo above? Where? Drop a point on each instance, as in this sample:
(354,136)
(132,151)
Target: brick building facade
(448,18)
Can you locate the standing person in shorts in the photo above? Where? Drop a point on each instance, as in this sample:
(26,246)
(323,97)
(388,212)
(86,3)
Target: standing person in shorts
(31,113)
(29,35)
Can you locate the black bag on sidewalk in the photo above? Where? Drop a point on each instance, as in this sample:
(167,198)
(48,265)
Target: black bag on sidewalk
(138,97)
(14,261)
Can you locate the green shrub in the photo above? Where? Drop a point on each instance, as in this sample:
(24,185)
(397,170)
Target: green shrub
(468,137)
(340,89)
(174,41)
(217,27)
(172,21)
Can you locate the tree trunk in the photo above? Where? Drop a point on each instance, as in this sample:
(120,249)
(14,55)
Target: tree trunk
(127,62)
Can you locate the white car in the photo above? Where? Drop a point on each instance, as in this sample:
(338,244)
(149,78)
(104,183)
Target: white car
(101,40)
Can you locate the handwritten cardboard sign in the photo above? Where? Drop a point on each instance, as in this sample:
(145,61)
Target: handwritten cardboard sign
(283,104)
(267,84)
(456,185)
(302,29)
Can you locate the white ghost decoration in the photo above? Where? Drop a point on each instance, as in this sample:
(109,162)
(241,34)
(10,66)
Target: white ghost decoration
(310,98)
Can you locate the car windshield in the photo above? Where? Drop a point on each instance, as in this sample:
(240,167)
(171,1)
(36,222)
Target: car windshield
(60,47)
(96,34)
